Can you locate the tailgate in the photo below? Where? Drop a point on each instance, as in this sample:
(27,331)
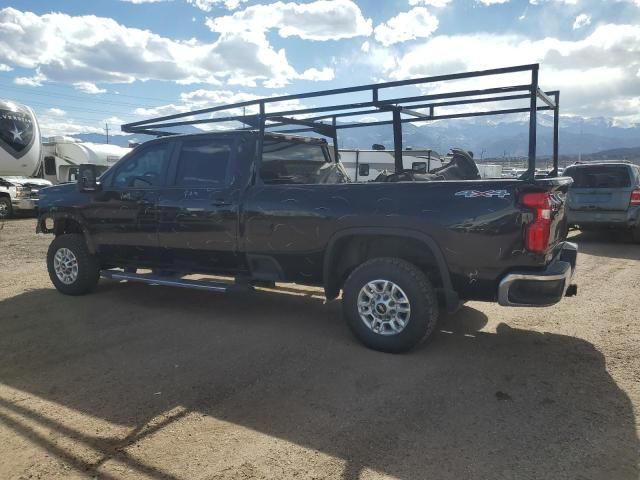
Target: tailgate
(599,199)
(600,187)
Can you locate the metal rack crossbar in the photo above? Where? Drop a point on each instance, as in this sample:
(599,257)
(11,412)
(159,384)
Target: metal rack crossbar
(413,109)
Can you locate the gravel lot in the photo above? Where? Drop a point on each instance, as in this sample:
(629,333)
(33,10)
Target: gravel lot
(139,381)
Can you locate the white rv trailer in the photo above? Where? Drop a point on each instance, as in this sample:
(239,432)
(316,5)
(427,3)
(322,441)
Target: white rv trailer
(22,169)
(488,170)
(366,165)
(20,154)
(62,157)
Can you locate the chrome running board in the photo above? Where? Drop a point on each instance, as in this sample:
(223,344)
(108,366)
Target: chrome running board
(170,282)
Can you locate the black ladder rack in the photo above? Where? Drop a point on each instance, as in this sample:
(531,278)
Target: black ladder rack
(414,109)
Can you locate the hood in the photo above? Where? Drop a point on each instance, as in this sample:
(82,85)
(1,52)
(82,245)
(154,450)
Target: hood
(28,182)
(60,188)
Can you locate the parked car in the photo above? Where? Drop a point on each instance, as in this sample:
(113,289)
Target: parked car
(605,195)
(19,195)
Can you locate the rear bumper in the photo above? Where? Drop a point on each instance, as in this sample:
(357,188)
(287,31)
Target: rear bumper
(541,289)
(605,218)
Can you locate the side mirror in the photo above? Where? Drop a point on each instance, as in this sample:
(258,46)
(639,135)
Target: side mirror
(87,178)
(363,170)
(419,167)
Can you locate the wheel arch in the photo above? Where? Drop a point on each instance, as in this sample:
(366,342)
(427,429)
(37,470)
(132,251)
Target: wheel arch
(335,266)
(65,223)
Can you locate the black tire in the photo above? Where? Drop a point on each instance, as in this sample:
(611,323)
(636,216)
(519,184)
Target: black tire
(6,209)
(88,266)
(635,234)
(418,290)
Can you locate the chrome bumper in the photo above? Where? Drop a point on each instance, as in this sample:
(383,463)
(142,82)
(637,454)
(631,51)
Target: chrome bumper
(24,203)
(541,289)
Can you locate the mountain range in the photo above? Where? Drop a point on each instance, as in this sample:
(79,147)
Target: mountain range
(486,138)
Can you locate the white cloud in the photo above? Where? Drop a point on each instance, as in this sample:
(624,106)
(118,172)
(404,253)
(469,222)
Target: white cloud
(317,75)
(204,5)
(88,87)
(145,1)
(492,2)
(603,65)
(33,81)
(202,98)
(56,111)
(90,49)
(582,20)
(566,2)
(431,3)
(365,47)
(319,20)
(5,68)
(207,5)
(416,23)
(53,125)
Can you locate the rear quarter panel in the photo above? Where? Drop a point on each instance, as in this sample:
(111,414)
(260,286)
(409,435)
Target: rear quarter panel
(478,225)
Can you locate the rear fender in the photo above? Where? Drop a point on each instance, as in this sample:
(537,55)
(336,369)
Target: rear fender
(332,282)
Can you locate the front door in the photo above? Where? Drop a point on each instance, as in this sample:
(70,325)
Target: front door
(198,209)
(123,217)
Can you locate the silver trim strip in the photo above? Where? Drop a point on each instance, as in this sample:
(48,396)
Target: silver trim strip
(178,282)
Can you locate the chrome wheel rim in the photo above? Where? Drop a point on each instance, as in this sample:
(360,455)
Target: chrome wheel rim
(65,264)
(384,307)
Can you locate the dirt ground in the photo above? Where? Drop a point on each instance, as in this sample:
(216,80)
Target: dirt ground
(139,381)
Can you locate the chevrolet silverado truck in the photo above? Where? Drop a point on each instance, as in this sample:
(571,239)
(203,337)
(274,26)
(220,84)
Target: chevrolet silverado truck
(275,207)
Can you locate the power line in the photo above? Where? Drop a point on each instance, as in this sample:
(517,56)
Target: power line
(69,96)
(83,110)
(65,88)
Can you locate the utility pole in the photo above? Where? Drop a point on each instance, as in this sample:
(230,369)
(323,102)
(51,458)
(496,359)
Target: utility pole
(106,128)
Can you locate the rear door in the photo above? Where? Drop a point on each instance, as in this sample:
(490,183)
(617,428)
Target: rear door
(199,207)
(600,187)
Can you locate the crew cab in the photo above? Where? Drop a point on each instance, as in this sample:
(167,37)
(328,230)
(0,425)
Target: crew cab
(399,251)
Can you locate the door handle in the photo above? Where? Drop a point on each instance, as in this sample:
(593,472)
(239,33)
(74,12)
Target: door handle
(220,203)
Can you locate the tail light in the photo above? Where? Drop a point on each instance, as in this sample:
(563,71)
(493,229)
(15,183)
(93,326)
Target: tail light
(538,232)
(635,197)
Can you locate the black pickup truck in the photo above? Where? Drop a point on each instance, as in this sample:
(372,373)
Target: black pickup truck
(268,207)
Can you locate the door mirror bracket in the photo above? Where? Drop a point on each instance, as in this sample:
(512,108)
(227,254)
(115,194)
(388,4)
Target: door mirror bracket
(88,178)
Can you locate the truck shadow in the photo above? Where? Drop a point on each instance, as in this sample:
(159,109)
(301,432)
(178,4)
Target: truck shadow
(612,244)
(472,404)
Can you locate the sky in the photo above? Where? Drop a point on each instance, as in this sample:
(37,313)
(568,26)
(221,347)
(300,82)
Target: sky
(80,64)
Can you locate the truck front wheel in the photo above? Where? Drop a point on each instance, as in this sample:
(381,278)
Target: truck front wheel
(6,209)
(72,268)
(390,305)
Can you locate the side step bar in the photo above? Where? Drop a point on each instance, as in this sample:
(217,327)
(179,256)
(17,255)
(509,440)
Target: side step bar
(172,282)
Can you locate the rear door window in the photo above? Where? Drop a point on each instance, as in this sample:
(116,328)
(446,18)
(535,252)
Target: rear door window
(204,163)
(600,176)
(287,162)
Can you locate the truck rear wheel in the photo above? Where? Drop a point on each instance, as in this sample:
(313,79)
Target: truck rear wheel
(72,268)
(6,209)
(390,305)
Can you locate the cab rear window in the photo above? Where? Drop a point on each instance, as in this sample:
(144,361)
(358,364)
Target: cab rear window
(602,176)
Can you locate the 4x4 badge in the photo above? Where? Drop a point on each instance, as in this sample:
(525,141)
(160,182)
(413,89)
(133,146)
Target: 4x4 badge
(486,193)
